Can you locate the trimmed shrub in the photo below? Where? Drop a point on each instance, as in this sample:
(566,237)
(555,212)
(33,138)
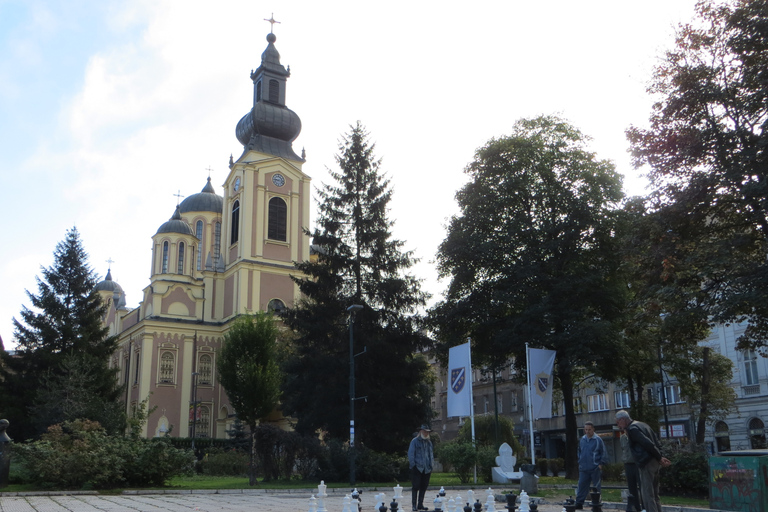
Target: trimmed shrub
(613,472)
(543,465)
(556,465)
(224,463)
(689,473)
(460,457)
(486,461)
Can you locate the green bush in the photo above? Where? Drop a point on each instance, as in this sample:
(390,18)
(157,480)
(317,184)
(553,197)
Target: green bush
(486,461)
(79,454)
(374,466)
(689,472)
(556,465)
(613,472)
(460,457)
(224,463)
(543,465)
(333,462)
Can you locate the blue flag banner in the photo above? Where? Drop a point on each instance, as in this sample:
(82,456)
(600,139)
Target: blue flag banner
(459,381)
(541,363)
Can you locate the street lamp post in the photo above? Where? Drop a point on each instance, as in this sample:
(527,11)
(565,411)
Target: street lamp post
(194,407)
(352,310)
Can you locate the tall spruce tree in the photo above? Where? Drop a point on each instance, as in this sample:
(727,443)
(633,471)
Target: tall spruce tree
(358,263)
(63,323)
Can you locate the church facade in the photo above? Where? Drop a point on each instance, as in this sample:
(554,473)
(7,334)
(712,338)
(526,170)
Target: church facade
(216,258)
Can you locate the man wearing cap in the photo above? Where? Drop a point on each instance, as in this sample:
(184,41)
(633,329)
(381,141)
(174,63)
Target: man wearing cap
(646,450)
(420,458)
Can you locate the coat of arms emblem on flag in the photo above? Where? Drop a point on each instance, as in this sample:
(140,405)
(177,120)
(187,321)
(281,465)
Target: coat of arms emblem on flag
(458,378)
(542,383)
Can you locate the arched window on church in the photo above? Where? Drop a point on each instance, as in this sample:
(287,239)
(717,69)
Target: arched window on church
(180,266)
(216,244)
(204,427)
(258,90)
(205,370)
(276,306)
(274,91)
(199,235)
(235,223)
(278,219)
(165,258)
(167,367)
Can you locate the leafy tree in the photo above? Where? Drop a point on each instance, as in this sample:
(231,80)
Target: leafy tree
(532,257)
(485,433)
(706,151)
(248,370)
(358,263)
(63,322)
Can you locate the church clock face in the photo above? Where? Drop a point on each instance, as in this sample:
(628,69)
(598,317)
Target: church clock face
(237,184)
(278,180)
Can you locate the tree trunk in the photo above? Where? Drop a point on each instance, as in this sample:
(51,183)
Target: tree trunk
(252,460)
(705,385)
(571,437)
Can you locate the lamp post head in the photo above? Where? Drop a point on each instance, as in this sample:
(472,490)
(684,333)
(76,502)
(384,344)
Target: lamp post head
(354,307)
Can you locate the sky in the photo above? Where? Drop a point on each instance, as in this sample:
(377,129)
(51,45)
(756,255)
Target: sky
(108,108)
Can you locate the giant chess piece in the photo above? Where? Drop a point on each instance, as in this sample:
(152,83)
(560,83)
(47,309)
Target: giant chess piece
(597,504)
(5,453)
(511,502)
(321,495)
(569,505)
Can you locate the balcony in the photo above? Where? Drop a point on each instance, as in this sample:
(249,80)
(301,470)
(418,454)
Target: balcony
(751,390)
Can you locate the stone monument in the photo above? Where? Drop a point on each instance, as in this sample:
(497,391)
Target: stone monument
(505,472)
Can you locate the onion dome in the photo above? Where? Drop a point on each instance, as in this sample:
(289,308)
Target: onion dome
(270,127)
(204,201)
(110,286)
(175,225)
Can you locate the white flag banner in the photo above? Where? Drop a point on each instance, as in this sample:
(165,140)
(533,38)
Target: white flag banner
(540,367)
(459,381)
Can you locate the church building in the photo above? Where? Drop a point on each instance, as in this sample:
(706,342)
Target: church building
(214,259)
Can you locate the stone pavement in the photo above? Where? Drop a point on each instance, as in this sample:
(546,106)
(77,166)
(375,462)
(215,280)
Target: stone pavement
(186,501)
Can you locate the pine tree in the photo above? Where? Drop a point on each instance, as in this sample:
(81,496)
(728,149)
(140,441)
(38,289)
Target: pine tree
(64,321)
(358,263)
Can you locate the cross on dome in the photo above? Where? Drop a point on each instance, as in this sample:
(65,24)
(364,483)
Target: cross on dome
(272,22)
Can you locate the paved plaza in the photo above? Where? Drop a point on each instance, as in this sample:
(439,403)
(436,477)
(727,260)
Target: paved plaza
(204,501)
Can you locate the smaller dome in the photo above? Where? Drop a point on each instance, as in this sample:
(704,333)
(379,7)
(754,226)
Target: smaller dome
(175,225)
(205,201)
(108,285)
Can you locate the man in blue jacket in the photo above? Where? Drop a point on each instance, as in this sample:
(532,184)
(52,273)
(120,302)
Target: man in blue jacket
(420,458)
(592,457)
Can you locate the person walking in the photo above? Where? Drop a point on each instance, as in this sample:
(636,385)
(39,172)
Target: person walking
(420,459)
(592,457)
(646,450)
(631,472)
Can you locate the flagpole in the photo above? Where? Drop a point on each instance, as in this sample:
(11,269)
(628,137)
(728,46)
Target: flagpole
(471,400)
(530,403)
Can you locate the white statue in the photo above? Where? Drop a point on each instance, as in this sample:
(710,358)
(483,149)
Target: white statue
(505,472)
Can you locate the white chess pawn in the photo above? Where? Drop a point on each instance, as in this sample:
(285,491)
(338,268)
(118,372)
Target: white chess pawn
(345,506)
(313,504)
(451,505)
(471,497)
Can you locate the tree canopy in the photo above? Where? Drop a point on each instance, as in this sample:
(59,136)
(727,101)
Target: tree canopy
(706,152)
(61,332)
(532,256)
(358,262)
(248,370)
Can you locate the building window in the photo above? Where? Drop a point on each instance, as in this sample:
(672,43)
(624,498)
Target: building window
(622,399)
(205,370)
(577,406)
(750,368)
(274,91)
(671,394)
(276,306)
(722,437)
(598,402)
(500,403)
(199,235)
(258,91)
(136,372)
(165,258)
(216,244)
(180,267)
(278,219)
(167,367)
(757,434)
(235,222)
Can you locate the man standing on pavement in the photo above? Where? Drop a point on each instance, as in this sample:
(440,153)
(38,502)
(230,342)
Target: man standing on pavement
(420,459)
(646,449)
(592,456)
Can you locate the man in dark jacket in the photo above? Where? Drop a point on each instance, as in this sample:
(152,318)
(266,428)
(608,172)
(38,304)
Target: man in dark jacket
(420,459)
(646,450)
